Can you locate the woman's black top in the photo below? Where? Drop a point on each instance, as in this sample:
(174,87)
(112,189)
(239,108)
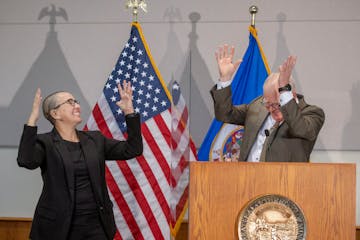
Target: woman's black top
(84,197)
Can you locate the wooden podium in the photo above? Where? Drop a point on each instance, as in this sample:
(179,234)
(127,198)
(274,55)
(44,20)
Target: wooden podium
(324,192)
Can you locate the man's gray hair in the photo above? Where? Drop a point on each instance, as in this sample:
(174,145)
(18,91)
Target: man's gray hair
(49,104)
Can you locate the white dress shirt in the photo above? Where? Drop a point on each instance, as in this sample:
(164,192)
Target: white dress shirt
(255,152)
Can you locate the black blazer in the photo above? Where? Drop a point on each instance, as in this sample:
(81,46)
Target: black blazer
(54,210)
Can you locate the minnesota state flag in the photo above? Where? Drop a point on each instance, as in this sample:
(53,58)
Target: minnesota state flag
(222,141)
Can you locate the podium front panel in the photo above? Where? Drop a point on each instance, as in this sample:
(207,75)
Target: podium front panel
(324,192)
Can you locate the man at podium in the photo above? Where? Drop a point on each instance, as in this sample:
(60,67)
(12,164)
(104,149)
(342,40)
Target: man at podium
(278,126)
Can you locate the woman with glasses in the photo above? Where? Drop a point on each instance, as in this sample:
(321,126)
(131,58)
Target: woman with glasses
(278,126)
(74,203)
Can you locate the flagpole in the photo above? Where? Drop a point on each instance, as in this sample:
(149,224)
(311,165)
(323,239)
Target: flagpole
(135,5)
(253,10)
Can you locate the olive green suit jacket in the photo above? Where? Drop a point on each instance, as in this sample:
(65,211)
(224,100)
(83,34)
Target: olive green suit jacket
(292,141)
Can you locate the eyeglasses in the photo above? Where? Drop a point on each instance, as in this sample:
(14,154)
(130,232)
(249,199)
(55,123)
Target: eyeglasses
(70,101)
(270,105)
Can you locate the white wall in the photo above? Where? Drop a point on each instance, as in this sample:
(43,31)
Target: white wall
(324,34)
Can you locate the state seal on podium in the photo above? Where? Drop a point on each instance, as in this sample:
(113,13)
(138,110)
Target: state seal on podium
(271,217)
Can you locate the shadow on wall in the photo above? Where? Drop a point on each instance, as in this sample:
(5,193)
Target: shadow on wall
(190,72)
(282,52)
(51,73)
(350,138)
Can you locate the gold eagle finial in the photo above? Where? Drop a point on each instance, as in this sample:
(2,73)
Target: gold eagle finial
(135,5)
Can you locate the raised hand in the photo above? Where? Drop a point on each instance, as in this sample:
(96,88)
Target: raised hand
(126,93)
(226,66)
(285,70)
(34,115)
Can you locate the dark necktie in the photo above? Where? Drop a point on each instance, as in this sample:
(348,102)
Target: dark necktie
(265,147)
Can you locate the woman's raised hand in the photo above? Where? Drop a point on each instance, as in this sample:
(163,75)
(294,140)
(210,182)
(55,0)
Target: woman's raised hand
(126,93)
(35,112)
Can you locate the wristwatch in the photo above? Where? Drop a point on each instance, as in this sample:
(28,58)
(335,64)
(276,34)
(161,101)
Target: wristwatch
(287,87)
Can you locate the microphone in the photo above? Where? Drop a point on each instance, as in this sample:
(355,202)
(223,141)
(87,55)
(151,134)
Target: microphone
(267,132)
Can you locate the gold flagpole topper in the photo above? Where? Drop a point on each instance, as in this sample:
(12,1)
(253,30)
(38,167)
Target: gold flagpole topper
(135,5)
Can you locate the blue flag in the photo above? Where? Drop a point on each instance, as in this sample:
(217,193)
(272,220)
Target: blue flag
(222,141)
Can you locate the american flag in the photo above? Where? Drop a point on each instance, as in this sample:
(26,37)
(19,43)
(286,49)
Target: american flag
(183,151)
(144,190)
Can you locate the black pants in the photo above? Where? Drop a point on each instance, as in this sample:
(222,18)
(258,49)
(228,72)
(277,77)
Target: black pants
(87,227)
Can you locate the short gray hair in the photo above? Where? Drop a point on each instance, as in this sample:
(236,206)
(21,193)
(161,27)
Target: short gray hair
(49,104)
